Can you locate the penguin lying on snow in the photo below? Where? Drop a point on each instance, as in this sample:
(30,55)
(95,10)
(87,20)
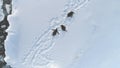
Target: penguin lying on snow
(70,14)
(55,31)
(63,28)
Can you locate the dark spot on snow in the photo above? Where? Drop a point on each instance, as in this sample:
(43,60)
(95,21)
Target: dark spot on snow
(70,14)
(55,31)
(63,27)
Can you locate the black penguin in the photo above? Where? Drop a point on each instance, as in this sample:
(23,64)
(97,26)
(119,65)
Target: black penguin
(55,31)
(63,28)
(70,14)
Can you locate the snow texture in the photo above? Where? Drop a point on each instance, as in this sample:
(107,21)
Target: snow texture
(91,37)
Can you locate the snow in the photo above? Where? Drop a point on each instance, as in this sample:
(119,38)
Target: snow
(91,40)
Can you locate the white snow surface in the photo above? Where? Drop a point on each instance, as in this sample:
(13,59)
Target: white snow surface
(91,41)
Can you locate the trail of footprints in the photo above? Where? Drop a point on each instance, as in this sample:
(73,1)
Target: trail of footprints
(36,55)
(42,45)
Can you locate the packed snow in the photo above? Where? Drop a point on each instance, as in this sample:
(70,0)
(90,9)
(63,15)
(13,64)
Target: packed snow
(91,40)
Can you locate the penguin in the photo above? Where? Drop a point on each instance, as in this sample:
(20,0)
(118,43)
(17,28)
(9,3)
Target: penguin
(55,31)
(70,14)
(63,27)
